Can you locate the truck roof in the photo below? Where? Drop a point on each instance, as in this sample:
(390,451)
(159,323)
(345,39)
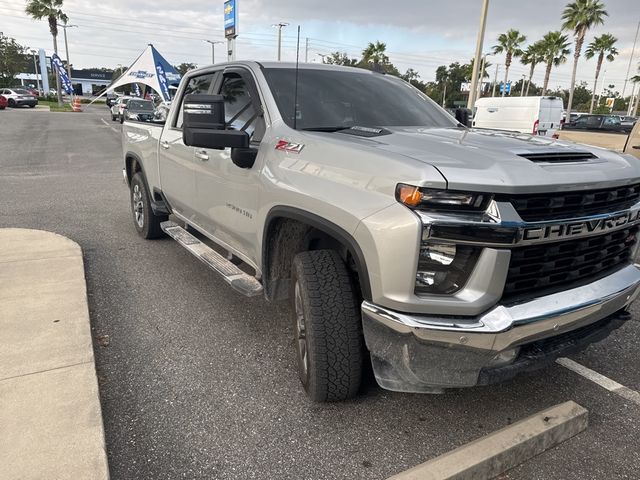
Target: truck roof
(275,64)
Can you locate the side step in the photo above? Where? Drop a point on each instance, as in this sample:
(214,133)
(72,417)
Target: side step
(239,280)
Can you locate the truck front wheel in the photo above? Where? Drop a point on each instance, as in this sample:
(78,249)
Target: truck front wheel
(146,222)
(327,326)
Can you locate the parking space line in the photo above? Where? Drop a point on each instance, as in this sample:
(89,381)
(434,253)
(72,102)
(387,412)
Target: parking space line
(107,124)
(599,379)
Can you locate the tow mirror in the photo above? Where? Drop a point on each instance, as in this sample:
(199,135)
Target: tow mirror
(463,116)
(203,124)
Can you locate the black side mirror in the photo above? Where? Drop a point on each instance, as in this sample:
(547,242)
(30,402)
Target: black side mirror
(244,157)
(203,124)
(463,116)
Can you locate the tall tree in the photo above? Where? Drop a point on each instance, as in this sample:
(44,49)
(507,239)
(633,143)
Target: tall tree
(185,67)
(555,48)
(532,56)
(579,17)
(52,11)
(13,60)
(602,47)
(338,58)
(375,54)
(510,44)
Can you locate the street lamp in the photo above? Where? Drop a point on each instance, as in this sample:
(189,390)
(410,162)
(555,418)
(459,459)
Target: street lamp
(66,47)
(213,50)
(35,69)
(322,55)
(279,27)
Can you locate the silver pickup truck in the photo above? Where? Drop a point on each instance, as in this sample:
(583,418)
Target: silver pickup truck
(442,256)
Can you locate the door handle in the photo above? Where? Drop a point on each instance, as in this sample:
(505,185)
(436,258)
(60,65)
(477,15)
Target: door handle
(164,144)
(637,147)
(202,155)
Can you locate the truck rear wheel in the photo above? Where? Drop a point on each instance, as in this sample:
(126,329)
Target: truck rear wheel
(327,326)
(146,222)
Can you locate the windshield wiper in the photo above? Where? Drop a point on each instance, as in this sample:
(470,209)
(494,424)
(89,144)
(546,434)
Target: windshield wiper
(326,129)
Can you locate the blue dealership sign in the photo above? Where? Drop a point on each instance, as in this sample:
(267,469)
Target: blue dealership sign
(508,87)
(231,18)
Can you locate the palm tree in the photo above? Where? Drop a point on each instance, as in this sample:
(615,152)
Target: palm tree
(375,53)
(532,56)
(52,11)
(509,43)
(604,47)
(579,17)
(555,48)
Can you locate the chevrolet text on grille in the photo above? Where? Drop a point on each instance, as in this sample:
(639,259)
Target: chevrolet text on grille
(577,229)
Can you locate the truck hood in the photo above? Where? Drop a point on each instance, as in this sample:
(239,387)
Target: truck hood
(494,161)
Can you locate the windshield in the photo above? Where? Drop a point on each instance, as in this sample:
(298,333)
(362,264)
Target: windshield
(140,105)
(333,99)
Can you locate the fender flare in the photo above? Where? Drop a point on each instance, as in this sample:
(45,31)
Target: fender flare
(328,227)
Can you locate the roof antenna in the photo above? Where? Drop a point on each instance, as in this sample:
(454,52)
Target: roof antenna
(295,95)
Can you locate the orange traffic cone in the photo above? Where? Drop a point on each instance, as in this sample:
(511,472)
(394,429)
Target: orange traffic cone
(76,105)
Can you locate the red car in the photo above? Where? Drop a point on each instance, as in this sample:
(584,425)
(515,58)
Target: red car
(3,102)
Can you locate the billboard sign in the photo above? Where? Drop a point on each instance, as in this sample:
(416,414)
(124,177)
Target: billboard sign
(231,18)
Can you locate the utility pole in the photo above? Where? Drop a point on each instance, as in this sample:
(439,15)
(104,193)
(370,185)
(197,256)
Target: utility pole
(495,81)
(279,27)
(633,50)
(444,95)
(481,76)
(522,89)
(66,47)
(476,63)
(35,70)
(213,50)
(306,50)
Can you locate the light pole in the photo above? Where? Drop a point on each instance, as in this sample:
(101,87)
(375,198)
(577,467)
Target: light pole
(476,63)
(633,51)
(522,89)
(279,27)
(481,76)
(213,50)
(66,47)
(495,81)
(35,70)
(322,55)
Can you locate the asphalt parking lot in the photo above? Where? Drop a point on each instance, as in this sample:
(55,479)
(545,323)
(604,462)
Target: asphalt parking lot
(199,382)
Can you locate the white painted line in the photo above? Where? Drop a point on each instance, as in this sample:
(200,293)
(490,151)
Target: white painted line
(599,379)
(499,451)
(107,124)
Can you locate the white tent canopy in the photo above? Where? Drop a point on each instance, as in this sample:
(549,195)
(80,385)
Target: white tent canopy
(150,69)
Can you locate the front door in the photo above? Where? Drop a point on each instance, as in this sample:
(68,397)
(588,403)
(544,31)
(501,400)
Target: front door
(177,161)
(227,195)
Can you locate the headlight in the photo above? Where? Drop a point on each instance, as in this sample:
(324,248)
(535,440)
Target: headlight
(426,198)
(444,268)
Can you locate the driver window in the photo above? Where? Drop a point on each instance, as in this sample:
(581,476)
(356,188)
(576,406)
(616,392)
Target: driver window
(240,108)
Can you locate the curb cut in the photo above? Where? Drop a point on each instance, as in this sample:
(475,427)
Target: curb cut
(50,415)
(499,451)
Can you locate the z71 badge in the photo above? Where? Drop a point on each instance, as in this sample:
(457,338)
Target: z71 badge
(289,147)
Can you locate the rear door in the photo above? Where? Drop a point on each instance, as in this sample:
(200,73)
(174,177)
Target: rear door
(176,160)
(227,195)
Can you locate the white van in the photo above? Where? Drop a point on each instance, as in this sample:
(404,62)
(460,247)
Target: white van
(534,115)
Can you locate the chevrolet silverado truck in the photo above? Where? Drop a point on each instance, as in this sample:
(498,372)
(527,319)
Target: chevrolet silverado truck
(441,256)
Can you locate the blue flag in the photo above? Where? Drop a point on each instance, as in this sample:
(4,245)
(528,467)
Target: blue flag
(56,63)
(162,80)
(136,90)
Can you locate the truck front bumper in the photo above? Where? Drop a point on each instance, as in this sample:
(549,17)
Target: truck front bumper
(422,353)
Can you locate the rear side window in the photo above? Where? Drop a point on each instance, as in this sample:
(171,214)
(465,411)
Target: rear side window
(612,121)
(239,109)
(202,84)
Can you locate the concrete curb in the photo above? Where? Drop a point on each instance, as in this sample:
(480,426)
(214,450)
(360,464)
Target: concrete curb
(50,416)
(499,451)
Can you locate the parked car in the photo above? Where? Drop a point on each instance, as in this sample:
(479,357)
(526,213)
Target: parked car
(533,115)
(138,110)
(118,107)
(627,120)
(17,97)
(442,256)
(598,123)
(3,102)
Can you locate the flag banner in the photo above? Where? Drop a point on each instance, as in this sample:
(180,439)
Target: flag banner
(136,90)
(162,80)
(64,78)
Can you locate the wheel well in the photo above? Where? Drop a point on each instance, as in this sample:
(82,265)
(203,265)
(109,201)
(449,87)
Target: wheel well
(133,166)
(286,237)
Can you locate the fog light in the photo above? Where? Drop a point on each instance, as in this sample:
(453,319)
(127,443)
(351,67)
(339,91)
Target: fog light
(444,268)
(505,358)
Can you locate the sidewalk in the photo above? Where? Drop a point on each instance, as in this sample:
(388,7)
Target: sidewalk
(50,418)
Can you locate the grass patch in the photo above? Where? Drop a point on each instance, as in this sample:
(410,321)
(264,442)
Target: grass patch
(53,106)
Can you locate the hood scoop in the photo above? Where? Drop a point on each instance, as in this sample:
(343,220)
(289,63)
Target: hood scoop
(558,157)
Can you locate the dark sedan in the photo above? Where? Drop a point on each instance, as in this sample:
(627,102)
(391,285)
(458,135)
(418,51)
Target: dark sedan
(599,123)
(138,110)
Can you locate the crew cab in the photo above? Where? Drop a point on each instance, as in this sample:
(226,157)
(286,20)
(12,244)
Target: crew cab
(442,256)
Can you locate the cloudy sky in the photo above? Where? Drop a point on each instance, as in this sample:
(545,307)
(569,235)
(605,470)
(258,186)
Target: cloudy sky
(421,34)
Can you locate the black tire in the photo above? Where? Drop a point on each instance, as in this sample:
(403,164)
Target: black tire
(147,224)
(12,103)
(32,106)
(331,330)
(121,119)
(113,118)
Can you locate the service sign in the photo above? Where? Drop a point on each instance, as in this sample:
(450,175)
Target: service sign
(231,18)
